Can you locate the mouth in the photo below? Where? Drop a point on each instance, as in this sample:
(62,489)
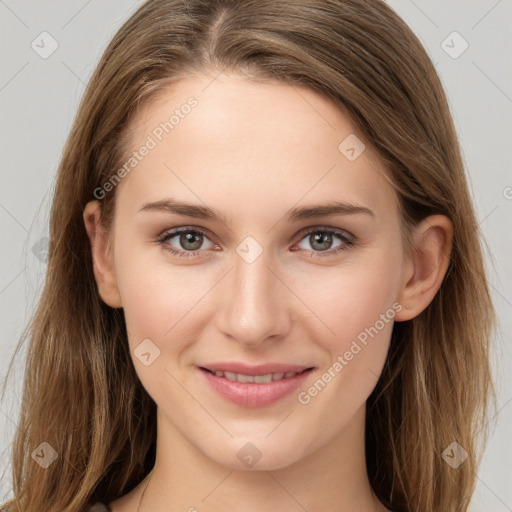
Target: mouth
(258,379)
(254,390)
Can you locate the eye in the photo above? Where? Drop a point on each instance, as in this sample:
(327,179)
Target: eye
(189,242)
(322,239)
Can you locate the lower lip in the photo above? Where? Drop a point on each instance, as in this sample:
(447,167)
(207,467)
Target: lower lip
(255,394)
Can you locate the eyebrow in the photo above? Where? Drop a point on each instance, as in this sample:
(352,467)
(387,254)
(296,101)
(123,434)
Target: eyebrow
(170,205)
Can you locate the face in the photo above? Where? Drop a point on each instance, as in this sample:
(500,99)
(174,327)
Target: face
(262,275)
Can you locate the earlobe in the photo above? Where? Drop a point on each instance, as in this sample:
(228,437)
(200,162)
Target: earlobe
(101,256)
(425,270)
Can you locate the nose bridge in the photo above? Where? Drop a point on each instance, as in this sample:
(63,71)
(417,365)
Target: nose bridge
(254,309)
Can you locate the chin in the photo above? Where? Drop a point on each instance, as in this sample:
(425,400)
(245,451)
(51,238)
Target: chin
(256,455)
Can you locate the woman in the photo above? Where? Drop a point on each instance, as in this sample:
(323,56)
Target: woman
(323,341)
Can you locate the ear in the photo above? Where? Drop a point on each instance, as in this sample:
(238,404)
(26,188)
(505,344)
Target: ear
(101,256)
(424,271)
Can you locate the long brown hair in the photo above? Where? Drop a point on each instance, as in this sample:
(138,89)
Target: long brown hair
(81,393)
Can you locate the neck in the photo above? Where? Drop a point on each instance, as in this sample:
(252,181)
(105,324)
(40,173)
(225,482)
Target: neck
(333,477)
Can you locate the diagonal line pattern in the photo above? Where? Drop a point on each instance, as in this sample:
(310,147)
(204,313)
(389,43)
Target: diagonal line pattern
(13,218)
(424,13)
(502,296)
(199,300)
(305,194)
(492,81)
(76,14)
(301,300)
(17,428)
(275,428)
(492,211)
(218,485)
(486,14)
(497,497)
(13,13)
(73,72)
(12,280)
(165,165)
(295,89)
(495,415)
(213,79)
(14,76)
(287,492)
(199,403)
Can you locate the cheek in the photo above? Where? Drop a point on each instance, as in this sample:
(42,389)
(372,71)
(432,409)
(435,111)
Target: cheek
(348,299)
(156,296)
(361,317)
(158,305)
(356,304)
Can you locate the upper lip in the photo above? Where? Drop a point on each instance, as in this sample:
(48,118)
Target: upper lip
(262,369)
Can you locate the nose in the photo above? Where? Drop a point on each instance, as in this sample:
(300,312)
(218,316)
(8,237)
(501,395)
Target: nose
(255,303)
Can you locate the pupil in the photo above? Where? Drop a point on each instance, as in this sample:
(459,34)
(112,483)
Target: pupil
(187,238)
(324,239)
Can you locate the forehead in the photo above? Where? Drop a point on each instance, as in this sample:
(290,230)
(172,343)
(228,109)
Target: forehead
(270,143)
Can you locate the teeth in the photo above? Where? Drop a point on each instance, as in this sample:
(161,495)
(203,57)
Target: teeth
(265,379)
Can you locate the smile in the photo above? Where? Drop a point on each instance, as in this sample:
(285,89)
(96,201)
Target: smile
(254,390)
(265,379)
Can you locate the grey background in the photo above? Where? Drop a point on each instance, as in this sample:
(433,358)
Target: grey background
(39,97)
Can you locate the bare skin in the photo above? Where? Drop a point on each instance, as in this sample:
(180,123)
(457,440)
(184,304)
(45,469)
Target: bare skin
(253,151)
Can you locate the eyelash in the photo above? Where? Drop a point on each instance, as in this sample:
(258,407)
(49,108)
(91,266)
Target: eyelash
(348,240)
